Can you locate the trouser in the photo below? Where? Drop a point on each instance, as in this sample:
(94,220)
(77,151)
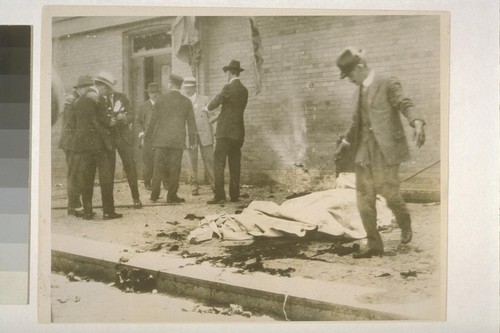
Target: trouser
(169,159)
(126,152)
(73,182)
(230,149)
(379,178)
(104,161)
(207,154)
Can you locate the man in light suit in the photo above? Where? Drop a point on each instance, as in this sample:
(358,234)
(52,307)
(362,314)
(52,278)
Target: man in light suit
(167,132)
(379,145)
(204,137)
(230,132)
(123,137)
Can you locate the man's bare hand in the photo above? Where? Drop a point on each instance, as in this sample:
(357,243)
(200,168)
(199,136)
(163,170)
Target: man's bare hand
(419,133)
(121,117)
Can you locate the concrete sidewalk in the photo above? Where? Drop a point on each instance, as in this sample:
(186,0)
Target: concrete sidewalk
(293,298)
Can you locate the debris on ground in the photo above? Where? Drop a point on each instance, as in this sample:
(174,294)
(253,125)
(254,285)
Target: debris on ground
(384,275)
(173,223)
(245,195)
(156,247)
(233,309)
(174,247)
(134,280)
(409,273)
(193,217)
(340,250)
(161,234)
(72,277)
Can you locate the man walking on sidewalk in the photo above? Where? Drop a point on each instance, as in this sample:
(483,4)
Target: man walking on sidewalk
(379,146)
(230,132)
(205,137)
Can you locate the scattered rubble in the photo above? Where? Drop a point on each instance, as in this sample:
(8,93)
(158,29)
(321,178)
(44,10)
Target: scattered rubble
(410,273)
(134,280)
(193,217)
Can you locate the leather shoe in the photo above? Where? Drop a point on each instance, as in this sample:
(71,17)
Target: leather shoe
(176,200)
(112,216)
(195,192)
(406,235)
(367,253)
(137,204)
(75,212)
(216,201)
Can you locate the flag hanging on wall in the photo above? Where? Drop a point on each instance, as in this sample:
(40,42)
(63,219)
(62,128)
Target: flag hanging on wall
(186,40)
(257,52)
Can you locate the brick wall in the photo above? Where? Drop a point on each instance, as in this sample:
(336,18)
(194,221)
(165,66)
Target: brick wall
(293,124)
(303,105)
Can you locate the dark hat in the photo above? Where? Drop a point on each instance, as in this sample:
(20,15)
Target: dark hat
(348,59)
(234,64)
(176,79)
(84,80)
(106,78)
(153,87)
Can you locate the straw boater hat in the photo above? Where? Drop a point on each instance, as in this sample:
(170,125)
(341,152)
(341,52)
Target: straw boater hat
(234,64)
(348,59)
(83,81)
(106,78)
(189,82)
(153,87)
(176,79)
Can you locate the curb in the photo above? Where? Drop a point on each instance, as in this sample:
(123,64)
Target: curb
(287,298)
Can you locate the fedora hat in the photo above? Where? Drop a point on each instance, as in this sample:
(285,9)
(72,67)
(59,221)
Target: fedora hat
(176,79)
(348,59)
(234,64)
(153,87)
(106,78)
(84,80)
(190,82)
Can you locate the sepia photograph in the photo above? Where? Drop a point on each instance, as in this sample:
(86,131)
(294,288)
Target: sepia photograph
(244,165)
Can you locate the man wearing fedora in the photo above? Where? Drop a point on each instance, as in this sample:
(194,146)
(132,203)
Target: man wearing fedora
(66,144)
(172,112)
(94,148)
(205,136)
(142,120)
(379,145)
(230,132)
(119,107)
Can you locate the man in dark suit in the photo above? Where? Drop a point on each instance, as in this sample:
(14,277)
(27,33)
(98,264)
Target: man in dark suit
(123,137)
(379,145)
(66,144)
(230,132)
(94,148)
(167,132)
(142,120)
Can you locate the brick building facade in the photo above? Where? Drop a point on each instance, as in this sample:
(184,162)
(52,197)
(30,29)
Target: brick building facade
(293,123)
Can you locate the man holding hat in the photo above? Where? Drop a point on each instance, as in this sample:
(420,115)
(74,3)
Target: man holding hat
(167,132)
(119,108)
(142,120)
(94,148)
(66,144)
(230,132)
(205,136)
(379,145)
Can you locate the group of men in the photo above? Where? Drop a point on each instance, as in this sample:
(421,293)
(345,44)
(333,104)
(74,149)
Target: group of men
(376,139)
(99,121)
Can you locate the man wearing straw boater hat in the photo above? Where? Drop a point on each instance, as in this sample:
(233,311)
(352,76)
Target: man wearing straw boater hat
(172,113)
(119,108)
(94,148)
(142,120)
(377,139)
(230,132)
(205,136)
(66,144)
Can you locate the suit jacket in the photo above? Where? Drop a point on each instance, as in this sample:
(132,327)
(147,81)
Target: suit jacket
(234,98)
(167,127)
(385,100)
(143,117)
(123,130)
(92,123)
(68,122)
(202,122)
